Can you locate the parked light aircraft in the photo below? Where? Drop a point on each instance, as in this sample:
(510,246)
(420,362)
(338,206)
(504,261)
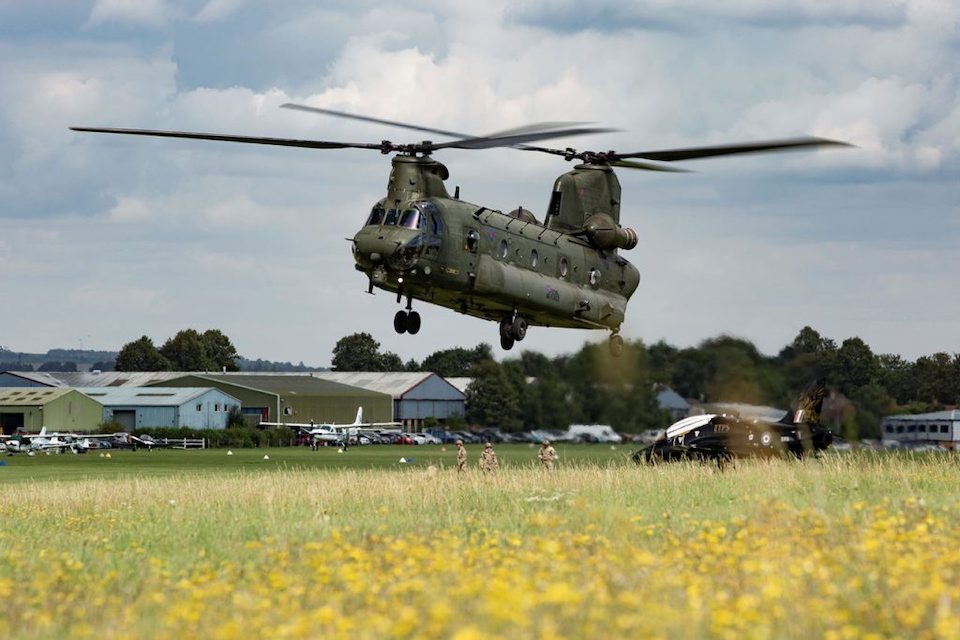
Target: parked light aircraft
(332,432)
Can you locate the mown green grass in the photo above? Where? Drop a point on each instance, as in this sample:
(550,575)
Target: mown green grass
(164,462)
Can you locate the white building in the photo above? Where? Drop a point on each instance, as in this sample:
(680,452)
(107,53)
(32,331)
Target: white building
(939,427)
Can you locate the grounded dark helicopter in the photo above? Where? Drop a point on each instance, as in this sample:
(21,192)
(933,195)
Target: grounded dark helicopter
(420,243)
(719,437)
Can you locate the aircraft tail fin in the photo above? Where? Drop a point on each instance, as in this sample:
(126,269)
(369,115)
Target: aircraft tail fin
(359,418)
(808,405)
(43,432)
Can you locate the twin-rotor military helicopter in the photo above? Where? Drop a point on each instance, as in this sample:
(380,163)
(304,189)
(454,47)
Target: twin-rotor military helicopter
(421,243)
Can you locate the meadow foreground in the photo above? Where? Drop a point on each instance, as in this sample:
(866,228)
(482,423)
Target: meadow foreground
(845,546)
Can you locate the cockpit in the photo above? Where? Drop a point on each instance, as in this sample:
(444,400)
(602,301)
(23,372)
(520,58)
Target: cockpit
(415,215)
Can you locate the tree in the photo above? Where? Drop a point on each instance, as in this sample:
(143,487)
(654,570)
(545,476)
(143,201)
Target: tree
(360,352)
(187,351)
(492,401)
(456,362)
(854,366)
(220,351)
(141,355)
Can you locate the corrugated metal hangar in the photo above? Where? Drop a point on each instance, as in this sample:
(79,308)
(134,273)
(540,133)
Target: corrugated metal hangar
(141,407)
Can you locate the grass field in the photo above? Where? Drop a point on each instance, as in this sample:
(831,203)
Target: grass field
(320,544)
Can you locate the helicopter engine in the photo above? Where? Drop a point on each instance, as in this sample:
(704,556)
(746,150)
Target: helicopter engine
(605,234)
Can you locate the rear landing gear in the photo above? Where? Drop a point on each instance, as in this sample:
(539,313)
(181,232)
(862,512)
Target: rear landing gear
(512,329)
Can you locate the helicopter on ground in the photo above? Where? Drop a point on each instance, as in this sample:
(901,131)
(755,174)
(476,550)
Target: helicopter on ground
(724,437)
(421,243)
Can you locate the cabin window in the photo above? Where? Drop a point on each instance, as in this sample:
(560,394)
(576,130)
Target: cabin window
(922,428)
(594,277)
(503,249)
(943,429)
(391,217)
(889,428)
(899,428)
(288,411)
(473,240)
(534,258)
(564,268)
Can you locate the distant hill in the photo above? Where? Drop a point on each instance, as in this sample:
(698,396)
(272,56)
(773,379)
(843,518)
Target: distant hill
(88,360)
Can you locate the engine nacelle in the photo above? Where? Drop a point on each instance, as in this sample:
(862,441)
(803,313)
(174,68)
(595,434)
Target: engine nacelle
(606,234)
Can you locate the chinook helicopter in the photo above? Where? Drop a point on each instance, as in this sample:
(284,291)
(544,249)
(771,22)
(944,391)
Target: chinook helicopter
(421,243)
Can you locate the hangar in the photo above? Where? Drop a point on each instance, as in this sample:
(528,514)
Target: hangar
(416,395)
(32,408)
(293,398)
(146,407)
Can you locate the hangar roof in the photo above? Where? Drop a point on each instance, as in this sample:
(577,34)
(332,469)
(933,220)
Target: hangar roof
(147,396)
(289,384)
(29,396)
(97,379)
(395,383)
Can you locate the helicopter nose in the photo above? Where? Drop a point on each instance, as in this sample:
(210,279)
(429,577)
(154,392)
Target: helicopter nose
(398,250)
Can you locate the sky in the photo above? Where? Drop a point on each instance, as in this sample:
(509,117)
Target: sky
(104,239)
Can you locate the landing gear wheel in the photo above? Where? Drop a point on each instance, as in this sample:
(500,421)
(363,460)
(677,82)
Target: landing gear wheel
(413,322)
(616,345)
(506,328)
(400,322)
(519,328)
(506,334)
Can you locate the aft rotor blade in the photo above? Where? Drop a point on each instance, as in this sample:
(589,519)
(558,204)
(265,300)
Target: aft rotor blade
(281,142)
(392,123)
(647,166)
(692,153)
(541,126)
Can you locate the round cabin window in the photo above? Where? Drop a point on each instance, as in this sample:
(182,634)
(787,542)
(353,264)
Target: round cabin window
(534,258)
(594,277)
(564,267)
(473,239)
(502,249)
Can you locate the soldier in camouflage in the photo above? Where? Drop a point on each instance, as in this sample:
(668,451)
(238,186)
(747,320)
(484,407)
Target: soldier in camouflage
(547,455)
(461,456)
(488,459)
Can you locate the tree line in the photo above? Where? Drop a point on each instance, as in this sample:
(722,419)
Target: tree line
(535,391)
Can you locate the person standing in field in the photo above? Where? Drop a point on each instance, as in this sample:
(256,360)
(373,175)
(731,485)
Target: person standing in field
(461,456)
(488,459)
(547,455)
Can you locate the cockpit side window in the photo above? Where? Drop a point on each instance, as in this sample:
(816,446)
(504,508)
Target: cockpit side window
(376,214)
(391,217)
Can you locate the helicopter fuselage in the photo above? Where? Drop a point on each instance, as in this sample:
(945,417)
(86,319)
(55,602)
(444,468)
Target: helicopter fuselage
(423,244)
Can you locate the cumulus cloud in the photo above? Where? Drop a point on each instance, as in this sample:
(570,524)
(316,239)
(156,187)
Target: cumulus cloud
(171,222)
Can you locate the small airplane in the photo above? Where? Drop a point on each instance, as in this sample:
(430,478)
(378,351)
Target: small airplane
(43,442)
(722,437)
(331,432)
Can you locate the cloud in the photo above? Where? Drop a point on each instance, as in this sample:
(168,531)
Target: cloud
(140,13)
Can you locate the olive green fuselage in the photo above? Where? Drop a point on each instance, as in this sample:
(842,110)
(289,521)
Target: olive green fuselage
(423,244)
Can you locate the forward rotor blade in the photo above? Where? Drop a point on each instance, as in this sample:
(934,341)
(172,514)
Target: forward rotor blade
(392,123)
(692,153)
(487,142)
(647,166)
(281,142)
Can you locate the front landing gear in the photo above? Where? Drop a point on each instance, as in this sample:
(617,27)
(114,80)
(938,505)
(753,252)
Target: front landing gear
(512,329)
(406,322)
(616,345)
